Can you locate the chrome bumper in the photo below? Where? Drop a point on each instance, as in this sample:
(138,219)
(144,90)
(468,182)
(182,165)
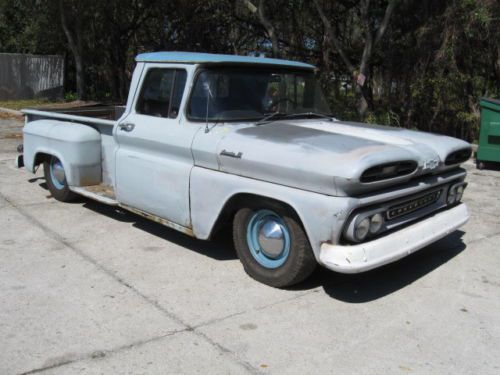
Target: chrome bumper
(366,256)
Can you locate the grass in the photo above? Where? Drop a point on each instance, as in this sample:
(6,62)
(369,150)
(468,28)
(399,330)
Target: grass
(20,104)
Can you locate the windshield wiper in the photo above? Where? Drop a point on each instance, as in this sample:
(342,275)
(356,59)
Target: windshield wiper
(311,114)
(271,117)
(281,115)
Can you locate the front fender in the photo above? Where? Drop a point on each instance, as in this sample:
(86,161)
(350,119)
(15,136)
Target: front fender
(321,215)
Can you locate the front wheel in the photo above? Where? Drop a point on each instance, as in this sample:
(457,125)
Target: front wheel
(55,177)
(272,246)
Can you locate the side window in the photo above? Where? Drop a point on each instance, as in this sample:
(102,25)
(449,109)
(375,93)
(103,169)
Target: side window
(161,93)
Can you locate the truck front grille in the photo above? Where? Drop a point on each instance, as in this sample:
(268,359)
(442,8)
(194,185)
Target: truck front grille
(413,204)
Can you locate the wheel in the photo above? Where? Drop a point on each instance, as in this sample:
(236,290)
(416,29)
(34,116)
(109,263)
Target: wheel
(56,180)
(480,164)
(272,246)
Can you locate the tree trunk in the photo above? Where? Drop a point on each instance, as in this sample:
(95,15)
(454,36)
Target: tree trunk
(75,45)
(270,30)
(371,39)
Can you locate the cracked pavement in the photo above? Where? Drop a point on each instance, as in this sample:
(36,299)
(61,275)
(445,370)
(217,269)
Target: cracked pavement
(88,289)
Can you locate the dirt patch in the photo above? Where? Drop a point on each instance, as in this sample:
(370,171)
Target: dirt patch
(12,136)
(10,116)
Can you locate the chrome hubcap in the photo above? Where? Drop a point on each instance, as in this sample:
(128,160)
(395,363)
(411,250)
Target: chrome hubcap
(58,171)
(57,174)
(271,238)
(268,239)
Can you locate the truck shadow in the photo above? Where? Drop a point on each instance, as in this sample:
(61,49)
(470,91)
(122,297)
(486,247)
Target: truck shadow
(375,284)
(219,248)
(357,288)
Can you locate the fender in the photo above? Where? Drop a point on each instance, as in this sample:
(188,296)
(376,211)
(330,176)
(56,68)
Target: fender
(321,215)
(77,146)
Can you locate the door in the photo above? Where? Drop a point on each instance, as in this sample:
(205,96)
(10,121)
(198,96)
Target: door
(153,159)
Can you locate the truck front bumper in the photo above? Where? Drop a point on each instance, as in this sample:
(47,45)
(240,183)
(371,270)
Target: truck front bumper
(368,255)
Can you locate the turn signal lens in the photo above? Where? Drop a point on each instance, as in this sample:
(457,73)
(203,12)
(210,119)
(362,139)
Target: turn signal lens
(451,196)
(459,193)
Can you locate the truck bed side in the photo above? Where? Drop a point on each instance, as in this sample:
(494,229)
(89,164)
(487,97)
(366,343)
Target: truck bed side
(85,144)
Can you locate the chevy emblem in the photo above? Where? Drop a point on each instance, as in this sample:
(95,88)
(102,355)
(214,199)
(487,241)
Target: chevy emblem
(431,164)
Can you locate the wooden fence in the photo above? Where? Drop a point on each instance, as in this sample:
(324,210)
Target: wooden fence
(31,76)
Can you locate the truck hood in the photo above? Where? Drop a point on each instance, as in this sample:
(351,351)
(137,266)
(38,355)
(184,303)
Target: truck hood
(330,157)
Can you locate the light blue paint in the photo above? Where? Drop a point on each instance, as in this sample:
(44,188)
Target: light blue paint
(253,228)
(198,58)
(56,168)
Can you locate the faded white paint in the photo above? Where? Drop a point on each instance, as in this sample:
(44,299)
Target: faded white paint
(177,173)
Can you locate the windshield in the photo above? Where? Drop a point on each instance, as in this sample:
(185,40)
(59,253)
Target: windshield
(239,94)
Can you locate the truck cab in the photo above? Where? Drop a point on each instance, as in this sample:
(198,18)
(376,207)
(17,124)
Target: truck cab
(207,139)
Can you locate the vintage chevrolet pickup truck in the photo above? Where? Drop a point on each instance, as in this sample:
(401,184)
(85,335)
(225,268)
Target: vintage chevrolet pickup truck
(207,139)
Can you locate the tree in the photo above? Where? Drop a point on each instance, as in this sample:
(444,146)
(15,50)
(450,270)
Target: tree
(425,63)
(372,36)
(270,30)
(75,41)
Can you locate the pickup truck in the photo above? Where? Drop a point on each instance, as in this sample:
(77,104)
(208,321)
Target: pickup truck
(206,140)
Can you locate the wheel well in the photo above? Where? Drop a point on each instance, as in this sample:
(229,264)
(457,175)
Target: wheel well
(247,200)
(40,158)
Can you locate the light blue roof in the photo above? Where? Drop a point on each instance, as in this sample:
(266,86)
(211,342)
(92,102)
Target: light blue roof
(198,58)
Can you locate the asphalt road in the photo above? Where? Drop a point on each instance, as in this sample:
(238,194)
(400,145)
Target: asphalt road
(87,289)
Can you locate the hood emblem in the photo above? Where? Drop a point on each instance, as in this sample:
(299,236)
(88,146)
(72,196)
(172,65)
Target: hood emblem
(431,164)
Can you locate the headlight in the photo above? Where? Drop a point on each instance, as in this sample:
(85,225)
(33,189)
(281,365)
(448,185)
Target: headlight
(362,229)
(376,223)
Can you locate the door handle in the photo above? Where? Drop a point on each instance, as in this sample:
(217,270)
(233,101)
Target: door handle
(128,127)
(231,154)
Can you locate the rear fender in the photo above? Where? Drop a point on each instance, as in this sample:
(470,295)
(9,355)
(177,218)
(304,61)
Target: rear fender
(77,146)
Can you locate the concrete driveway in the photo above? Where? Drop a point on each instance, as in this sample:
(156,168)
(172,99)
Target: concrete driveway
(88,289)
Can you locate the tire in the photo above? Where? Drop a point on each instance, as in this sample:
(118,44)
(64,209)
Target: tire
(278,268)
(56,180)
(480,164)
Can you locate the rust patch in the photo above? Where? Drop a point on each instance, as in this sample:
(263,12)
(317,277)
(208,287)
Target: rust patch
(159,220)
(102,190)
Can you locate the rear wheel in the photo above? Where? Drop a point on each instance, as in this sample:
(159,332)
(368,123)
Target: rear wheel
(272,245)
(56,180)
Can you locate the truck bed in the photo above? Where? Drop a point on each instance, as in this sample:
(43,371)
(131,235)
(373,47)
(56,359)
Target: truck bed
(98,114)
(100,117)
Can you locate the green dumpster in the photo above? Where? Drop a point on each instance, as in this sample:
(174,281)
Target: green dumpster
(489,136)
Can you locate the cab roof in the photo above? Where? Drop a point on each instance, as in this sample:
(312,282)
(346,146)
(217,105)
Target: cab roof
(209,58)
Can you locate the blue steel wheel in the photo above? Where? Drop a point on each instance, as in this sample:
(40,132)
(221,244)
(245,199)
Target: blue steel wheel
(268,239)
(272,244)
(57,174)
(55,177)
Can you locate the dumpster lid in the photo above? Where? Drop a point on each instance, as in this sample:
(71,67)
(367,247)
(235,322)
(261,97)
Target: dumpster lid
(491,100)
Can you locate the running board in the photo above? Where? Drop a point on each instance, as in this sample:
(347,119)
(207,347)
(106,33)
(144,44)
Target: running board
(101,193)
(159,220)
(105,194)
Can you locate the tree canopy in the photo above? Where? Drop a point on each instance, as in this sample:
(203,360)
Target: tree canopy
(419,64)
